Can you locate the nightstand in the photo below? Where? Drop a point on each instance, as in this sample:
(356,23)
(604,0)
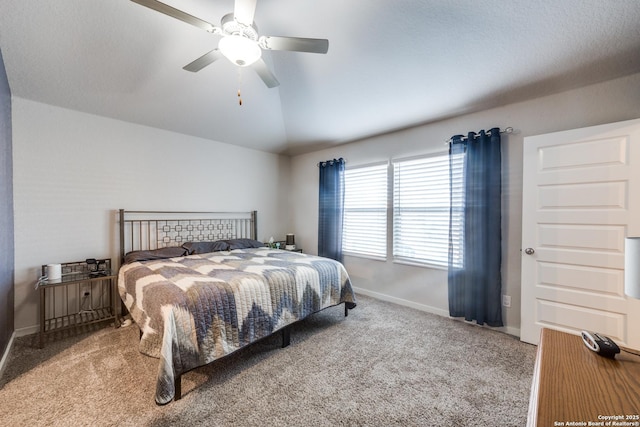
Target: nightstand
(283,246)
(80,297)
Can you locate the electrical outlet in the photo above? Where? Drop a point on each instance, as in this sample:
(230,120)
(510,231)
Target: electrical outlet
(85,290)
(506,300)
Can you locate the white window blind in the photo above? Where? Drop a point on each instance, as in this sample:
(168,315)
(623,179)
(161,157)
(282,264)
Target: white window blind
(365,211)
(421,202)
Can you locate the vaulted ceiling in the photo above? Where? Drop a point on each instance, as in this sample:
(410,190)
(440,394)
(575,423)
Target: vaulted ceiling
(390,64)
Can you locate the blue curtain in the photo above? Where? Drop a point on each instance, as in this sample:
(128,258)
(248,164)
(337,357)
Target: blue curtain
(475,289)
(331,208)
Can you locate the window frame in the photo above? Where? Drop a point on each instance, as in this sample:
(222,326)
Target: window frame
(390,252)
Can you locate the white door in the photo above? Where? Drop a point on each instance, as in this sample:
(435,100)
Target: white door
(581,198)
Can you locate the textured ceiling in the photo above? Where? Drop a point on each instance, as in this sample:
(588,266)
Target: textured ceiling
(391,64)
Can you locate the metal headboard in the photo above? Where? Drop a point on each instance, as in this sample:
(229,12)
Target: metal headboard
(147,230)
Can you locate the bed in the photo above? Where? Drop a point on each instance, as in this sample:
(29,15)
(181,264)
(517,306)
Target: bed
(200,286)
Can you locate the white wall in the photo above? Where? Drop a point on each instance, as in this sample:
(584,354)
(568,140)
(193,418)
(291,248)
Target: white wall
(426,288)
(72,171)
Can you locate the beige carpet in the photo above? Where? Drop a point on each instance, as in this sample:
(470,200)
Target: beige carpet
(384,365)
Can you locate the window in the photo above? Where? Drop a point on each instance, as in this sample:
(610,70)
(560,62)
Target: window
(421,202)
(365,211)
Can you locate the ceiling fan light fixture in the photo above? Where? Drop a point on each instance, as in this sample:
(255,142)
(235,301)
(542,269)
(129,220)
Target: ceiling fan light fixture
(240,50)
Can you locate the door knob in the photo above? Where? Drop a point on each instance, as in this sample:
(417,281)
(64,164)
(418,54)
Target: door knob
(529,251)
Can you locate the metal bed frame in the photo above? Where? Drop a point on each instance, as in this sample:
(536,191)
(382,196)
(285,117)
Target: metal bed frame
(146,230)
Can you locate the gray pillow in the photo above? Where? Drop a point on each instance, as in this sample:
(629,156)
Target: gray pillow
(205,247)
(171,252)
(244,244)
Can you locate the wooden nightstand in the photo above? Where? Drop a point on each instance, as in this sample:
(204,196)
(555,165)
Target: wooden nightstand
(80,297)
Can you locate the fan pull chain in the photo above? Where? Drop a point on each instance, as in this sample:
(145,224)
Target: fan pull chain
(239,83)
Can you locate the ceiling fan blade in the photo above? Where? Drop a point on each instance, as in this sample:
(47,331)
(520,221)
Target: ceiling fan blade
(175,13)
(296,44)
(265,73)
(244,11)
(203,61)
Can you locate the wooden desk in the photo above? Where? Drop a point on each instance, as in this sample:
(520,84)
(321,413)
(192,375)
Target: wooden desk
(572,384)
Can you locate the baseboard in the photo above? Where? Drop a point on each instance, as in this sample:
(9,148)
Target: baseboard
(21,332)
(377,295)
(509,330)
(426,308)
(400,301)
(7,352)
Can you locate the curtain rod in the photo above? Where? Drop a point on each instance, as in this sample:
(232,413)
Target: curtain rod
(506,130)
(340,160)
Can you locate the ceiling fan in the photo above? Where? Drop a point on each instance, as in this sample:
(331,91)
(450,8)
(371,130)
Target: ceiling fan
(240,42)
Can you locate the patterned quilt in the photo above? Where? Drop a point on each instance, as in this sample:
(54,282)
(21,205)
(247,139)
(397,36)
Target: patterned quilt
(197,308)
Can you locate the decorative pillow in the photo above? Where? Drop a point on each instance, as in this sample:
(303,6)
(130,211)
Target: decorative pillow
(244,244)
(171,252)
(205,247)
